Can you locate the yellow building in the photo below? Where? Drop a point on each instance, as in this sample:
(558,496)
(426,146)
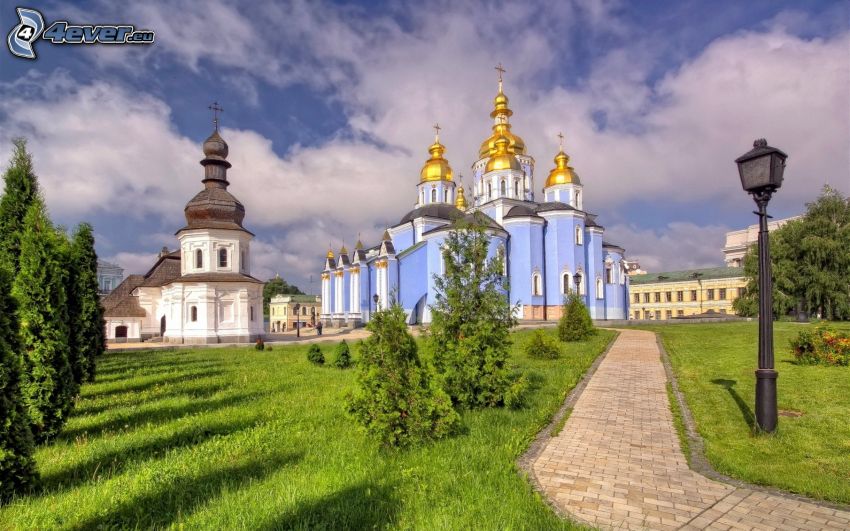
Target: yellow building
(660,296)
(282,315)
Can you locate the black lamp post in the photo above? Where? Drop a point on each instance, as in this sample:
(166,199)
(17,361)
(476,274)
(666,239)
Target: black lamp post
(577,281)
(375,298)
(761,172)
(297,308)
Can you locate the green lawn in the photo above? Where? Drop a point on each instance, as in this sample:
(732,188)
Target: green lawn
(235,438)
(809,454)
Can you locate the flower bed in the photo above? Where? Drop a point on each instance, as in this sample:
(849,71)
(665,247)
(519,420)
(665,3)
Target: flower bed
(822,346)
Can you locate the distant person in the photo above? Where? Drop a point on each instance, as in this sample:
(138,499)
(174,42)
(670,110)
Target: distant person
(319,328)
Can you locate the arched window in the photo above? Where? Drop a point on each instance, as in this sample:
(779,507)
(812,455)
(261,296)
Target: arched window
(600,289)
(565,283)
(503,188)
(578,200)
(121,331)
(609,274)
(243,265)
(251,311)
(535,284)
(580,288)
(222,257)
(193,313)
(433,195)
(578,235)
(199,259)
(489,190)
(422,197)
(516,188)
(445,196)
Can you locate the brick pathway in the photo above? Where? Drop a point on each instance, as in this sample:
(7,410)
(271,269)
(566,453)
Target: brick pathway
(617,462)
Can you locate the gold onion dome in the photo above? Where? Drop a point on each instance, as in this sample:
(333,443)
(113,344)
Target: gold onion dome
(502,158)
(330,253)
(562,173)
(460,200)
(502,127)
(437,167)
(343,250)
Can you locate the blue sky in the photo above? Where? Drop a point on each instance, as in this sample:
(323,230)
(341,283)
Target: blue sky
(329,106)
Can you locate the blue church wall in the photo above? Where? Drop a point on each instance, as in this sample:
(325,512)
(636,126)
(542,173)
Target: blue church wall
(593,242)
(403,237)
(346,288)
(413,265)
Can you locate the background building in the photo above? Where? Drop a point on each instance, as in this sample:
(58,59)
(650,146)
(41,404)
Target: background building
(282,316)
(661,296)
(108,276)
(738,241)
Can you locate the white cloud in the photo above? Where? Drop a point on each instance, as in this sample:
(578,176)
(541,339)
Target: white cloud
(133,263)
(101,147)
(678,245)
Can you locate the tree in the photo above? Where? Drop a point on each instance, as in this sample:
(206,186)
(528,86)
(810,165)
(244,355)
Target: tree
(575,323)
(48,385)
(810,262)
(87,339)
(17,465)
(397,400)
(277,286)
(20,191)
(343,356)
(471,319)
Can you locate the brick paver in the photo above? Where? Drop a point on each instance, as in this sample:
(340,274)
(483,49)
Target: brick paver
(617,462)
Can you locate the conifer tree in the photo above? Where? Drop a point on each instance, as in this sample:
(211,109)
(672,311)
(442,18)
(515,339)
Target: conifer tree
(20,191)
(87,339)
(575,323)
(397,401)
(471,319)
(47,385)
(17,465)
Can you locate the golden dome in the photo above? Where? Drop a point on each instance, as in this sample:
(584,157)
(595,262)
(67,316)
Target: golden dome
(460,200)
(343,250)
(515,143)
(330,253)
(436,168)
(502,158)
(562,173)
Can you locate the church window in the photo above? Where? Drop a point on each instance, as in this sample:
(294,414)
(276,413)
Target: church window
(565,283)
(222,258)
(535,284)
(193,313)
(578,235)
(516,188)
(503,189)
(580,288)
(600,289)
(242,260)
(609,274)
(199,259)
(445,196)
(489,190)
(433,195)
(251,311)
(578,199)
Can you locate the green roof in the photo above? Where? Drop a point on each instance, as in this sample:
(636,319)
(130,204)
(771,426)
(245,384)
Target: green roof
(682,276)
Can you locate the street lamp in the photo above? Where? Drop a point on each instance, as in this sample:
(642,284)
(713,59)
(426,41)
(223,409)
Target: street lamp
(761,172)
(376,299)
(577,280)
(297,308)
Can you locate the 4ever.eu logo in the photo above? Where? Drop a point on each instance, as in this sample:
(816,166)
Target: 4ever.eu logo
(23,37)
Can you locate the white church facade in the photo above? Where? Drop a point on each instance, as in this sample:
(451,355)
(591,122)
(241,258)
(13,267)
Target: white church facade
(203,292)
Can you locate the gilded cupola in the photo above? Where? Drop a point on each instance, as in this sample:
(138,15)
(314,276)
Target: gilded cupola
(502,158)
(460,200)
(501,126)
(562,173)
(437,167)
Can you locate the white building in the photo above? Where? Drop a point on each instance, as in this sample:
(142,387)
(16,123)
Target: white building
(108,276)
(738,241)
(203,292)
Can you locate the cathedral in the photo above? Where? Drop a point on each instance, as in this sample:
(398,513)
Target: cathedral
(550,246)
(203,292)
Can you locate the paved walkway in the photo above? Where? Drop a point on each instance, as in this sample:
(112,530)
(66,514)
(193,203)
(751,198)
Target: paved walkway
(617,462)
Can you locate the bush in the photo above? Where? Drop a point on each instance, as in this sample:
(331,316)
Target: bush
(575,323)
(343,356)
(259,345)
(542,347)
(517,394)
(314,354)
(268,348)
(397,401)
(822,346)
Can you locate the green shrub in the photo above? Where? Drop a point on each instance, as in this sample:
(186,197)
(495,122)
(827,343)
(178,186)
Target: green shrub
(518,392)
(259,345)
(397,401)
(542,347)
(314,354)
(575,323)
(268,348)
(343,356)
(822,346)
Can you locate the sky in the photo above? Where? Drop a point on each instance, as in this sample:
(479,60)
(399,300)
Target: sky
(329,107)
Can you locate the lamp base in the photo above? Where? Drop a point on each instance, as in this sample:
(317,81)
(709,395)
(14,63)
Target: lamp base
(766,412)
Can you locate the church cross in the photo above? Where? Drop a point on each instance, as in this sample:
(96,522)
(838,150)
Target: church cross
(501,71)
(561,141)
(215,108)
(437,131)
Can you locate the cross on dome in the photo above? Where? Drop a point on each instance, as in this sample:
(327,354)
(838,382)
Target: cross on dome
(215,108)
(437,129)
(561,141)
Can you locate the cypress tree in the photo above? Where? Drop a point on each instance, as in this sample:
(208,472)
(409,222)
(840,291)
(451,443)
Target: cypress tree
(47,385)
(20,191)
(575,323)
(87,339)
(17,466)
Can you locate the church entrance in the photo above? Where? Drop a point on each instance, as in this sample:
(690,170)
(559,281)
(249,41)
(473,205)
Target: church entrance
(121,332)
(162,326)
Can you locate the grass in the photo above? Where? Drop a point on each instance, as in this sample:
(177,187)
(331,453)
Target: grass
(808,454)
(679,422)
(236,438)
